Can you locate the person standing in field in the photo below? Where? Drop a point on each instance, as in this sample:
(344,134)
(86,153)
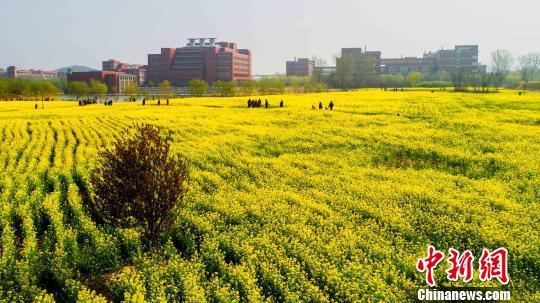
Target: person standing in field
(320,105)
(35,106)
(167,101)
(265,103)
(144,101)
(249,103)
(281,103)
(331,105)
(158,102)
(259,103)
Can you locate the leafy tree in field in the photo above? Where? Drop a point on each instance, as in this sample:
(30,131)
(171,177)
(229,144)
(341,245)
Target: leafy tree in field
(3,89)
(413,78)
(36,90)
(345,70)
(197,87)
(78,88)
(20,88)
(529,65)
(138,183)
(397,80)
(442,76)
(97,88)
(248,87)
(60,83)
(165,88)
(364,70)
(485,80)
(226,89)
(133,90)
(355,70)
(459,80)
(501,63)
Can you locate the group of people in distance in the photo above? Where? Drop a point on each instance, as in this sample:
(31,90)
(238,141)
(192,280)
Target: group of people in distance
(158,102)
(258,103)
(329,106)
(85,102)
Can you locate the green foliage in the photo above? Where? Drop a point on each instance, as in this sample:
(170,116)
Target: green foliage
(95,88)
(198,87)
(165,89)
(391,80)
(78,88)
(355,70)
(13,89)
(440,84)
(225,89)
(413,78)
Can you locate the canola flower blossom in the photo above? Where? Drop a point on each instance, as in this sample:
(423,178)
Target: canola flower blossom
(285,204)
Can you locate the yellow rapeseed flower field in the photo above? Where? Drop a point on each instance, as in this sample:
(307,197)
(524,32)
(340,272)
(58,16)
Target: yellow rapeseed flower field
(285,204)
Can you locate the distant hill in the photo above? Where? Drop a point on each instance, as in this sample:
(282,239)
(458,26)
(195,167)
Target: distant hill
(76,68)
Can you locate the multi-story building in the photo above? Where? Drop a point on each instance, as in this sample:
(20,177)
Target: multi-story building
(357,53)
(138,70)
(115,81)
(301,67)
(13,72)
(201,58)
(406,65)
(462,57)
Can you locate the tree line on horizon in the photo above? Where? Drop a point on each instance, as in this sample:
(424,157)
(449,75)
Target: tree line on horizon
(358,71)
(352,72)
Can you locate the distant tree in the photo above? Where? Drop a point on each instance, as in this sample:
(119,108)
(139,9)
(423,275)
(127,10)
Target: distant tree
(97,88)
(165,89)
(138,183)
(346,67)
(145,94)
(485,80)
(461,80)
(413,78)
(133,90)
(50,90)
(3,89)
(19,88)
(226,89)
(318,65)
(441,76)
(364,70)
(78,89)
(248,87)
(60,83)
(36,90)
(529,65)
(397,80)
(501,63)
(198,87)
(46,91)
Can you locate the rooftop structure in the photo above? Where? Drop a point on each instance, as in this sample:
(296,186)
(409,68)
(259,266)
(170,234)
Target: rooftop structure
(200,58)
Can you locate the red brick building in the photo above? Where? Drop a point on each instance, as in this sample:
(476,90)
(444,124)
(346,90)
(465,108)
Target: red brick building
(138,70)
(201,58)
(115,81)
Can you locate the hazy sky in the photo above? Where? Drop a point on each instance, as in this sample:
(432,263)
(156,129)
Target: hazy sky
(56,33)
